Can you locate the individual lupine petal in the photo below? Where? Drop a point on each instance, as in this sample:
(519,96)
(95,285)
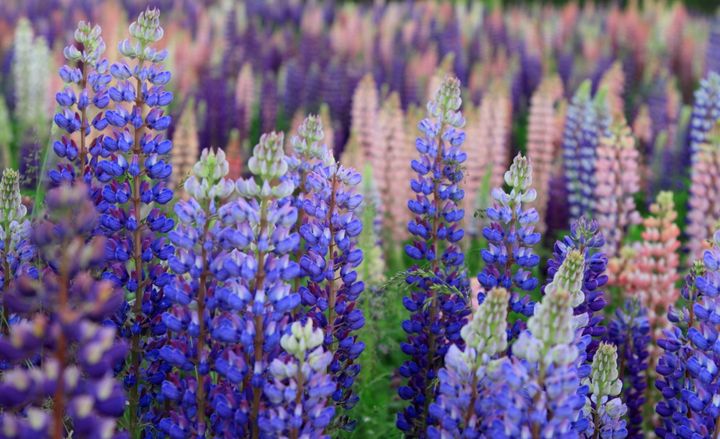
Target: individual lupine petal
(437,297)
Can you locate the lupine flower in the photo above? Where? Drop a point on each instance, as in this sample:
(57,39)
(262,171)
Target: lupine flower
(705,113)
(438,292)
(630,332)
(364,124)
(687,370)
(260,272)
(31,77)
(31,82)
(587,120)
(509,257)
(392,166)
(604,407)
(618,179)
(17,251)
(198,316)
(614,82)
(542,140)
(301,386)
(133,174)
(186,146)
(495,119)
(245,99)
(309,152)
(81,102)
(585,237)
(330,260)
(58,345)
(654,265)
(463,380)
(537,392)
(704,208)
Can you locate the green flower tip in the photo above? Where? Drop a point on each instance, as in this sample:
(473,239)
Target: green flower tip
(268,160)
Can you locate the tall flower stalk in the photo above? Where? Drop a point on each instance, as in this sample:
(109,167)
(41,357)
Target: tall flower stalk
(687,370)
(197,239)
(264,271)
(81,102)
(59,347)
(438,284)
(331,258)
(509,258)
(134,172)
(17,251)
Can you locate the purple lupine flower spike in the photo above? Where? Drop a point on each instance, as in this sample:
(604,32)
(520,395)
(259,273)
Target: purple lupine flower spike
(17,251)
(585,237)
(198,310)
(330,235)
(630,332)
(439,286)
(59,345)
(261,271)
(509,258)
(688,368)
(85,93)
(133,170)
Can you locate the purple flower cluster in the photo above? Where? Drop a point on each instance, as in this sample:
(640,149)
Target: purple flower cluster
(630,332)
(86,91)
(330,233)
(438,286)
(509,258)
(132,168)
(588,118)
(61,344)
(585,237)
(688,368)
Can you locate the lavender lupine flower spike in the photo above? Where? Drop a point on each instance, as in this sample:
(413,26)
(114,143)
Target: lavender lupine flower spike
(463,380)
(308,152)
(260,273)
(330,235)
(17,251)
(587,120)
(134,172)
(603,406)
(705,113)
(537,391)
(59,348)
(585,237)
(301,385)
(688,368)
(84,97)
(630,332)
(197,240)
(438,292)
(509,257)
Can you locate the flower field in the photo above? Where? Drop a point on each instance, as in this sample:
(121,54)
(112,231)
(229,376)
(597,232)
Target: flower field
(286,219)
